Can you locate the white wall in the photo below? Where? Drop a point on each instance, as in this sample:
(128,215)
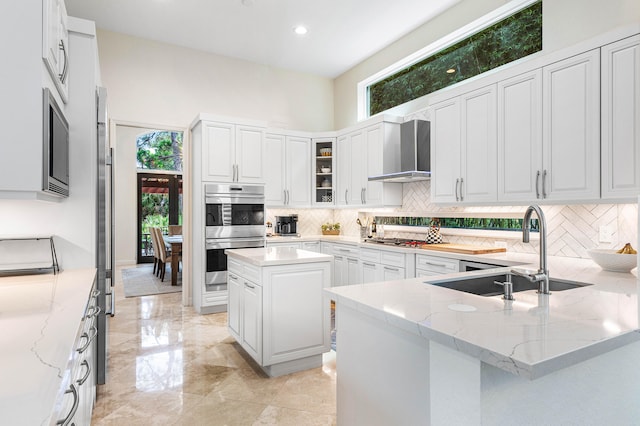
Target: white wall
(565,22)
(151,82)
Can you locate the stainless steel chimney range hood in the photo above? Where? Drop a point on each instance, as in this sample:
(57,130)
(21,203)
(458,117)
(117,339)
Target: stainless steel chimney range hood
(415,155)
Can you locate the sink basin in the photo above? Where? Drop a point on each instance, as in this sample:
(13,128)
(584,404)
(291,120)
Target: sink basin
(485,286)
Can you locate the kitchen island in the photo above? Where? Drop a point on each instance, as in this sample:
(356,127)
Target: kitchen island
(277,311)
(409,352)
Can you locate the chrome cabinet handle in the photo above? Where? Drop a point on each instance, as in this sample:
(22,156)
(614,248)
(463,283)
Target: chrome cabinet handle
(364,195)
(249,285)
(76,402)
(461,182)
(444,265)
(369,264)
(233,277)
(537,181)
(80,382)
(457,183)
(388,268)
(544,182)
(65,69)
(346,201)
(89,339)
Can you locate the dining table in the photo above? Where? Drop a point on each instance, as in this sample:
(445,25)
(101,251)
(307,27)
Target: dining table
(175,243)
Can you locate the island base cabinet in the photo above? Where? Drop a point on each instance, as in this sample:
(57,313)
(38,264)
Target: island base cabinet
(279,316)
(386,375)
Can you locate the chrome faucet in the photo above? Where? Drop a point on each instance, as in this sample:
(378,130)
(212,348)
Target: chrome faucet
(542,276)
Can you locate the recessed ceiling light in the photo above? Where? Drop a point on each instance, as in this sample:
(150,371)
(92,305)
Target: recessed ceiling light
(300,30)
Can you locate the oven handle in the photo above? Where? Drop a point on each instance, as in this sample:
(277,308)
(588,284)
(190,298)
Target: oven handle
(225,243)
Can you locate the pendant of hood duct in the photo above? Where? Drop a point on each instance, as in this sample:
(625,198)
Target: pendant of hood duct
(415,154)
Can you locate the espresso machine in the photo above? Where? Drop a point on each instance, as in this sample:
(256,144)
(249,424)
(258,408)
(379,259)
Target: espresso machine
(287,225)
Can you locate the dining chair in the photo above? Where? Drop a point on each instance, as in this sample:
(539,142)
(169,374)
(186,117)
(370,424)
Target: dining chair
(175,229)
(154,244)
(164,255)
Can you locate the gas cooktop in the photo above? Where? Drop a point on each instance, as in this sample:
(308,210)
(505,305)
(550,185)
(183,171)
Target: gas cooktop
(403,242)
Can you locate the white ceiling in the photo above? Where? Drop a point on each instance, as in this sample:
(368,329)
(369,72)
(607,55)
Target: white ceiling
(341,34)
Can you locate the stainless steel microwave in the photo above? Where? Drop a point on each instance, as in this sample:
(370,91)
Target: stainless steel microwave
(55,144)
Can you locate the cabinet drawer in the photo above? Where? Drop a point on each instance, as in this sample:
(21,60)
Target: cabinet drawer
(392,258)
(370,255)
(250,272)
(346,251)
(439,265)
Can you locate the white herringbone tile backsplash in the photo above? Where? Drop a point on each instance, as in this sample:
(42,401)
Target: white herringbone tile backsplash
(572,229)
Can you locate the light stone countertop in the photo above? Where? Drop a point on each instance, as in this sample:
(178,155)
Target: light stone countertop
(529,337)
(272,256)
(40,316)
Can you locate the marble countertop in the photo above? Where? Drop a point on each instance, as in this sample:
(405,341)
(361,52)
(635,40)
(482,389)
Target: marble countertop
(531,336)
(39,319)
(272,256)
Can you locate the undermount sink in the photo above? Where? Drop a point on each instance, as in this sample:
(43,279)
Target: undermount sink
(485,285)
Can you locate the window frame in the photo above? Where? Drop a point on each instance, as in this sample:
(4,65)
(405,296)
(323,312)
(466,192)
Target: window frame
(450,39)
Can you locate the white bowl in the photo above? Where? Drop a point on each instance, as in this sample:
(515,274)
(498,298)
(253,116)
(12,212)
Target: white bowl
(325,169)
(609,260)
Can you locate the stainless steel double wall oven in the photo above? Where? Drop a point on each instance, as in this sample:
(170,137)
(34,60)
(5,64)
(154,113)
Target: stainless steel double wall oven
(234,219)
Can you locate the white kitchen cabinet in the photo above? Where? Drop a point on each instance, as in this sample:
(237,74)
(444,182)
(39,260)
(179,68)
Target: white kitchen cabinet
(368,151)
(620,140)
(428,265)
(55,44)
(571,128)
(325,173)
(281,319)
(520,137)
(464,148)
(231,152)
(346,265)
(234,308)
(378,264)
(312,246)
(287,170)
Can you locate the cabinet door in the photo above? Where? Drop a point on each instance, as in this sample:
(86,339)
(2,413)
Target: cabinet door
(249,154)
(339,271)
(621,118)
(390,273)
(55,46)
(298,167)
(357,168)
(274,172)
(344,170)
(445,151)
(234,308)
(353,271)
(370,272)
(479,178)
(218,152)
(252,320)
(520,137)
(571,128)
(374,152)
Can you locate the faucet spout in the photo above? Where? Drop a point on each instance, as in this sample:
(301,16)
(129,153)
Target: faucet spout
(543,270)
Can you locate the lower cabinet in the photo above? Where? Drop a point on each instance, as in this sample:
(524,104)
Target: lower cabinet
(346,265)
(385,265)
(278,313)
(77,401)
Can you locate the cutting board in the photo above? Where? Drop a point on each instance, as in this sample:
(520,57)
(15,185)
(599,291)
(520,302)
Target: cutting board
(463,248)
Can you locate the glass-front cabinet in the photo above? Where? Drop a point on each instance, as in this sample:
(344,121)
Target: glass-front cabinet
(325,170)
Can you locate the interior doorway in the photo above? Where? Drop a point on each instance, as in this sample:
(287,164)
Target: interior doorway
(159,205)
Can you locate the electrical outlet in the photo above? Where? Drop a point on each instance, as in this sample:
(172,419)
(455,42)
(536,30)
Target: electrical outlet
(605,235)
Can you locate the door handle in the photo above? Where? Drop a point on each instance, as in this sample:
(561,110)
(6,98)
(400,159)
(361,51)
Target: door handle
(537,182)
(544,182)
(457,183)
(461,181)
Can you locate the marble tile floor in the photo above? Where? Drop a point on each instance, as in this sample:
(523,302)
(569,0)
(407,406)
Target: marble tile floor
(169,365)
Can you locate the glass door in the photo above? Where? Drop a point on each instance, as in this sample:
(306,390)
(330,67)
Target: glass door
(159,205)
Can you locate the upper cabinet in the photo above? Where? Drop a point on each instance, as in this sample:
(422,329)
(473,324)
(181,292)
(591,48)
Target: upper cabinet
(287,170)
(571,128)
(621,118)
(464,148)
(325,174)
(55,44)
(232,152)
(366,151)
(520,137)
